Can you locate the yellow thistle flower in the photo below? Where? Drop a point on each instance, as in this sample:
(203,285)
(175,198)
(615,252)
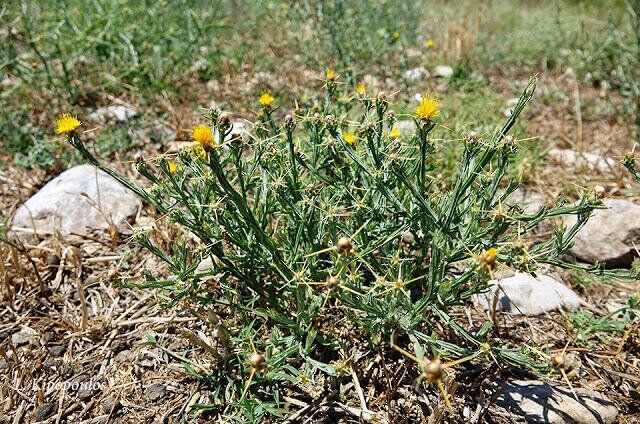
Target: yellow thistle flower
(172,167)
(488,257)
(202,134)
(349,138)
(396,35)
(361,89)
(266,100)
(66,123)
(331,74)
(431,42)
(395,133)
(428,108)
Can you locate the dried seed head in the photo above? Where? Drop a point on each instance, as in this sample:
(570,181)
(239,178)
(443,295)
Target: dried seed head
(382,96)
(330,119)
(223,119)
(434,370)
(256,360)
(599,191)
(629,158)
(332,282)
(408,237)
(344,244)
(559,361)
(138,158)
(472,136)
(288,119)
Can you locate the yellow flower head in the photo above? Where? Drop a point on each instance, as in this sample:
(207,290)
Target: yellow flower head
(331,74)
(396,35)
(172,167)
(431,42)
(202,134)
(266,100)
(361,89)
(395,133)
(488,257)
(67,123)
(349,138)
(428,108)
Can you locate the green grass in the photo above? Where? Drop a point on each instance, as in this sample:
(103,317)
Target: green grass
(65,56)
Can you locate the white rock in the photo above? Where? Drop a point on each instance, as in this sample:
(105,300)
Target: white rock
(26,335)
(539,402)
(530,201)
(199,65)
(416,74)
(609,235)
(77,202)
(523,294)
(443,71)
(117,113)
(568,157)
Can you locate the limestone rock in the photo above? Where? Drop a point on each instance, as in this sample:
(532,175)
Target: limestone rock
(530,201)
(443,71)
(609,235)
(539,402)
(523,294)
(593,160)
(155,391)
(76,202)
(114,113)
(416,74)
(25,336)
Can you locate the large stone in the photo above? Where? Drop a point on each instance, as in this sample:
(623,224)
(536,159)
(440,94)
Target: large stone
(524,294)
(539,402)
(416,74)
(530,201)
(78,201)
(593,160)
(114,113)
(443,71)
(609,235)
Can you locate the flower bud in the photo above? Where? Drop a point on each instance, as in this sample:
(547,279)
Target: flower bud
(256,361)
(344,244)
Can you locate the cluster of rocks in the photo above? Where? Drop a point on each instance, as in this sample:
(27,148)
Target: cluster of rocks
(420,73)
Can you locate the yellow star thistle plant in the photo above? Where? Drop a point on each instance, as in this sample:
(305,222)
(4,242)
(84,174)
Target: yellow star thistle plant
(66,123)
(428,108)
(202,134)
(395,133)
(266,100)
(431,43)
(361,89)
